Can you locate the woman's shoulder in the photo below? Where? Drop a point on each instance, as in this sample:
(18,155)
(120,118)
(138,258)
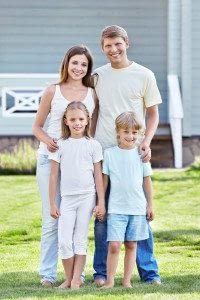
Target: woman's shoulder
(50,90)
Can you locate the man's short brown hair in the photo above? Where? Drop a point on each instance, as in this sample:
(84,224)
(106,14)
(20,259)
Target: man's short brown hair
(112,32)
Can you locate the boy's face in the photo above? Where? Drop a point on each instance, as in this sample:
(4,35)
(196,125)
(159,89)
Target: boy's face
(127,137)
(115,50)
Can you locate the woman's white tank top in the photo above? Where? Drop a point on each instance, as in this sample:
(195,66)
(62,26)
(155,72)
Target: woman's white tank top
(58,106)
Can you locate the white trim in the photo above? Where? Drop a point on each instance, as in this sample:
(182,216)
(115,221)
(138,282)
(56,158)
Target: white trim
(28,75)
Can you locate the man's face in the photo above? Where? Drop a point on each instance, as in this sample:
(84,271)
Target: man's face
(115,50)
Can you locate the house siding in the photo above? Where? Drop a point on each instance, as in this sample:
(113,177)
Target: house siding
(195,67)
(34,36)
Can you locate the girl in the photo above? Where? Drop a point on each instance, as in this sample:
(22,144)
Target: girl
(74,85)
(80,158)
(130,202)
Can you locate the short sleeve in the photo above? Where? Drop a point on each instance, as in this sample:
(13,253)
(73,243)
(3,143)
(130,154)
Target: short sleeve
(56,155)
(147,170)
(97,155)
(106,163)
(151,92)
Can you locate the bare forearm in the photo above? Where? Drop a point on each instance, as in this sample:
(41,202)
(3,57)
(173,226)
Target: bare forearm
(99,184)
(151,123)
(148,190)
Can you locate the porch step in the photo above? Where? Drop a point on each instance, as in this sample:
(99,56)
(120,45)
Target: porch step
(162,148)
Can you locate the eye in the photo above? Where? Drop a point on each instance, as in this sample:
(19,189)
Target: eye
(72,119)
(81,119)
(74,62)
(84,65)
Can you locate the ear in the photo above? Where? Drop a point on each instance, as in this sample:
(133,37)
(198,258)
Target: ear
(65,121)
(127,43)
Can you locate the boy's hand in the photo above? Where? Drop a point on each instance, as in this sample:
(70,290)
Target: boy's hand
(150,213)
(54,212)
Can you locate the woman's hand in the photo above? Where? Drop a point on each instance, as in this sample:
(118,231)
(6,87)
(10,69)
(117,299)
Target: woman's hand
(52,145)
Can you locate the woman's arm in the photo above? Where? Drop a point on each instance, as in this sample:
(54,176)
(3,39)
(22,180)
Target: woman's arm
(100,209)
(95,114)
(53,179)
(148,189)
(41,116)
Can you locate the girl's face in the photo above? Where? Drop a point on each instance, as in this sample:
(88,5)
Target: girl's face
(127,138)
(76,120)
(77,67)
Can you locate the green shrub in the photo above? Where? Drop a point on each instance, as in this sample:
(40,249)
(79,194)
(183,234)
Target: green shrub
(22,160)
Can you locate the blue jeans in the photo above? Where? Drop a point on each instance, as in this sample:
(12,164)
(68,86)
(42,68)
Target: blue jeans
(49,238)
(145,260)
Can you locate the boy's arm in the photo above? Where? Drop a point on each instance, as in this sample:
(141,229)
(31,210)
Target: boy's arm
(100,209)
(53,179)
(151,126)
(105,182)
(148,189)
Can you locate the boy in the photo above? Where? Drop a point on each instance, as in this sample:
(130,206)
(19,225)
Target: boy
(131,197)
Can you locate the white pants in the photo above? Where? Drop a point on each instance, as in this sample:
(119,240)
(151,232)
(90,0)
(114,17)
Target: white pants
(73,224)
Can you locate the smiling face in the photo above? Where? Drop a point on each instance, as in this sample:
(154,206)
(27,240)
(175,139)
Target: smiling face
(77,67)
(127,137)
(76,120)
(115,50)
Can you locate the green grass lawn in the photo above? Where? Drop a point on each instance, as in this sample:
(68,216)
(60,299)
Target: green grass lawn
(176,232)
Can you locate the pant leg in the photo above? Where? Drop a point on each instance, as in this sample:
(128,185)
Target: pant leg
(101,244)
(49,238)
(146,261)
(66,225)
(86,204)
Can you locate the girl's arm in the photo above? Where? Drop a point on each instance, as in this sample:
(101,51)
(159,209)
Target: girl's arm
(95,114)
(41,116)
(100,209)
(148,189)
(53,179)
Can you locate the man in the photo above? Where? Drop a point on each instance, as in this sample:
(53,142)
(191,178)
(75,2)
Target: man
(124,85)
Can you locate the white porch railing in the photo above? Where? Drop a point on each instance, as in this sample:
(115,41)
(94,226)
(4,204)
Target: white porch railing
(175,118)
(21,93)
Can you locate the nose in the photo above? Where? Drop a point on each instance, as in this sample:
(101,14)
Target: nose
(113,48)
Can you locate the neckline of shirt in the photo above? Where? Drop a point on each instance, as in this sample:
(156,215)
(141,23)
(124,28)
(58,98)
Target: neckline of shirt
(73,100)
(122,69)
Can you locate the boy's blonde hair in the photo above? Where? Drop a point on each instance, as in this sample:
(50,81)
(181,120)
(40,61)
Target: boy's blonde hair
(112,32)
(65,128)
(127,120)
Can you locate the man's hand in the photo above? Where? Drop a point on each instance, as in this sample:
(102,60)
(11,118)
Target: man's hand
(99,212)
(145,150)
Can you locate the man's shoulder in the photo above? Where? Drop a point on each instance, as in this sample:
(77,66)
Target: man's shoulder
(102,69)
(142,69)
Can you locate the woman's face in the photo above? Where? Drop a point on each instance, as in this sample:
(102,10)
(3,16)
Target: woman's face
(78,66)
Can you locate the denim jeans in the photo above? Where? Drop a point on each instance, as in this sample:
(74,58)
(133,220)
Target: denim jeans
(145,260)
(49,238)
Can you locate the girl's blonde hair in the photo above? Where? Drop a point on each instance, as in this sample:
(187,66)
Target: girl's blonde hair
(65,128)
(127,120)
(77,50)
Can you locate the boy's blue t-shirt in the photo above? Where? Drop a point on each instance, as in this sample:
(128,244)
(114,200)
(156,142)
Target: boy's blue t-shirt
(126,171)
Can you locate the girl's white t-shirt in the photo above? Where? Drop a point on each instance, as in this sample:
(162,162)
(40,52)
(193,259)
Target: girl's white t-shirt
(58,106)
(77,158)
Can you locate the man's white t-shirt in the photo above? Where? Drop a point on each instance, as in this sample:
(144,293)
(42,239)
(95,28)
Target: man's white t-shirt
(133,88)
(77,158)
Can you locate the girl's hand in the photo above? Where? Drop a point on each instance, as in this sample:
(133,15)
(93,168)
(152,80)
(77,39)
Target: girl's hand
(54,212)
(52,145)
(150,213)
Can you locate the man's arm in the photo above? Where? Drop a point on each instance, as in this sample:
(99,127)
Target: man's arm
(151,126)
